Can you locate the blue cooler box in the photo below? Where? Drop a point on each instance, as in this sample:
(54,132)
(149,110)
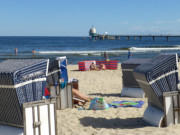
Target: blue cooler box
(21,80)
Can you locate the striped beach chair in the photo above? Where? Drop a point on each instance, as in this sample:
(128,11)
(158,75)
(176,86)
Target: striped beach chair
(131,87)
(21,81)
(159,80)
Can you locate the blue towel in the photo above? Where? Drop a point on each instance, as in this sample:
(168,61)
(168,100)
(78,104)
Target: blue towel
(63,84)
(137,104)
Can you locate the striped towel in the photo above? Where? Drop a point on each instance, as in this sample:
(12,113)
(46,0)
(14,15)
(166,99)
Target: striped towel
(137,104)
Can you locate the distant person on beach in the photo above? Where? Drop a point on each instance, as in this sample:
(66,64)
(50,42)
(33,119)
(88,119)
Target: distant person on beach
(33,52)
(129,54)
(105,56)
(102,67)
(16,51)
(93,66)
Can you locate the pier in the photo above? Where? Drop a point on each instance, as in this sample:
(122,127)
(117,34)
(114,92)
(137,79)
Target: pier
(128,37)
(94,36)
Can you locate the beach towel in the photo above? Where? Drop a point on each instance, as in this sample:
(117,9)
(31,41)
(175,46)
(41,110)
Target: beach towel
(98,104)
(137,104)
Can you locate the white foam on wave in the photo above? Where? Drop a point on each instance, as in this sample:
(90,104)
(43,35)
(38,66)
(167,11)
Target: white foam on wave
(137,49)
(82,52)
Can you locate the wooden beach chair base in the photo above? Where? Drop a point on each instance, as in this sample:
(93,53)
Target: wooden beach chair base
(153,116)
(132,92)
(168,116)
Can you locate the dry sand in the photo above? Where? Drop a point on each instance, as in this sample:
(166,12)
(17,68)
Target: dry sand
(113,121)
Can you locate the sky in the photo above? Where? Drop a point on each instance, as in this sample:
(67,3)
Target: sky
(76,17)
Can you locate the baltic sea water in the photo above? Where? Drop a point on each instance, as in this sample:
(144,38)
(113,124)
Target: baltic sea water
(79,49)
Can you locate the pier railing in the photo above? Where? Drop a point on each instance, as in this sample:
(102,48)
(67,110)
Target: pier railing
(127,36)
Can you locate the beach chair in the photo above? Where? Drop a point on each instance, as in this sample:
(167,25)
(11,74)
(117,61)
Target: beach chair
(159,80)
(61,91)
(39,118)
(21,80)
(130,86)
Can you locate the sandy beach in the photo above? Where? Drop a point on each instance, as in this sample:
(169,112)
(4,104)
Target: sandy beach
(113,121)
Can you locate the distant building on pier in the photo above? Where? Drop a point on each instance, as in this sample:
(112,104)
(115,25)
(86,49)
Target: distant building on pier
(92,32)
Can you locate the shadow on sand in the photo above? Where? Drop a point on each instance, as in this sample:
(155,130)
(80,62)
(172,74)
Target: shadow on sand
(106,95)
(74,70)
(129,123)
(109,95)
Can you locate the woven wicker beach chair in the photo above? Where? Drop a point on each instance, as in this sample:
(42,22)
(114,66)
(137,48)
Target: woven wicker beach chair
(21,80)
(159,80)
(130,86)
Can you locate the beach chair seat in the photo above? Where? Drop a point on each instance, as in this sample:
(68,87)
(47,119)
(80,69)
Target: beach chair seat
(21,80)
(159,80)
(130,86)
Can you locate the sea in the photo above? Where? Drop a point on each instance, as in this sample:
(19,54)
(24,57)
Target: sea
(78,49)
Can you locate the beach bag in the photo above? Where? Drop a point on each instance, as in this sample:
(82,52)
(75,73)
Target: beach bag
(98,104)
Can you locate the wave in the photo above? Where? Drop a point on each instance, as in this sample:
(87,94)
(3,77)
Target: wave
(111,52)
(81,52)
(138,49)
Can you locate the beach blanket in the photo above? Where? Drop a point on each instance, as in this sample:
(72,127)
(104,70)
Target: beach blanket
(137,104)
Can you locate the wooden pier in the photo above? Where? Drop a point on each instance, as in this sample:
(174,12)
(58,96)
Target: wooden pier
(128,37)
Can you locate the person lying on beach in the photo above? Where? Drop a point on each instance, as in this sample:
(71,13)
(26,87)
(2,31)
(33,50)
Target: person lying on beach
(81,96)
(76,92)
(102,67)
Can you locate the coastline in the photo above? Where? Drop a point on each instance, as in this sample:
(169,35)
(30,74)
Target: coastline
(112,121)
